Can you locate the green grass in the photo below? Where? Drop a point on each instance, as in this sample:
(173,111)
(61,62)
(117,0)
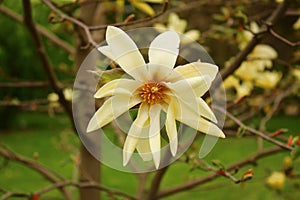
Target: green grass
(52,139)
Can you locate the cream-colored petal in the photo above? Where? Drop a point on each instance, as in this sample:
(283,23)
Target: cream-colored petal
(110,110)
(193,34)
(138,128)
(158,73)
(125,51)
(263,51)
(129,147)
(154,142)
(197,86)
(171,128)
(160,27)
(190,118)
(143,147)
(118,86)
(193,70)
(154,133)
(177,24)
(105,50)
(164,49)
(144,7)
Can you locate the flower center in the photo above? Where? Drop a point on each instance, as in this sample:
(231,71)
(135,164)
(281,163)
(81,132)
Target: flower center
(153,92)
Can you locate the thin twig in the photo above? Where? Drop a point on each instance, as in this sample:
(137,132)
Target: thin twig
(24,84)
(45,172)
(278,12)
(55,84)
(43,31)
(254,131)
(89,184)
(199,181)
(140,21)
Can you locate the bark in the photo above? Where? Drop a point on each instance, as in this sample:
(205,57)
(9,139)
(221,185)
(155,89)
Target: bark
(89,166)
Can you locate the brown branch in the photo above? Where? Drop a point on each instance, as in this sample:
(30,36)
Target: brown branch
(89,184)
(278,12)
(24,103)
(24,84)
(193,183)
(155,183)
(45,172)
(76,22)
(284,40)
(135,22)
(254,131)
(14,194)
(55,84)
(87,29)
(56,40)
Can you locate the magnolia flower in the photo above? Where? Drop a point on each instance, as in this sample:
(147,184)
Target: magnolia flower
(242,89)
(296,74)
(179,25)
(154,87)
(268,80)
(141,5)
(276,180)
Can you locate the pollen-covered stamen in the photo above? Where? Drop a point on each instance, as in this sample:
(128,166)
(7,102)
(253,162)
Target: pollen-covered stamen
(153,92)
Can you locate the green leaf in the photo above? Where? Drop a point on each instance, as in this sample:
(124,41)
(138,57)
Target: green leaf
(241,131)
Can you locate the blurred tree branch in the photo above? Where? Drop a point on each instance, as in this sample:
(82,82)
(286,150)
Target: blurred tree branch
(44,171)
(55,84)
(43,31)
(201,180)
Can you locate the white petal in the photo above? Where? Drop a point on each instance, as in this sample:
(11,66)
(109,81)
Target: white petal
(164,49)
(171,128)
(154,142)
(154,133)
(128,149)
(110,110)
(143,147)
(136,130)
(118,86)
(140,126)
(105,50)
(197,86)
(124,50)
(190,118)
(158,73)
(193,70)
(188,92)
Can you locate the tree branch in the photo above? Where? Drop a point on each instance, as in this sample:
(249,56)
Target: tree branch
(43,57)
(45,172)
(254,131)
(278,12)
(193,183)
(89,184)
(56,40)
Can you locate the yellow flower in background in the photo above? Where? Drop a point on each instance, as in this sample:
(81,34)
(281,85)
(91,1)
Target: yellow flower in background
(296,74)
(179,25)
(276,180)
(155,87)
(242,89)
(53,99)
(268,80)
(140,4)
(252,71)
(296,25)
(68,92)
